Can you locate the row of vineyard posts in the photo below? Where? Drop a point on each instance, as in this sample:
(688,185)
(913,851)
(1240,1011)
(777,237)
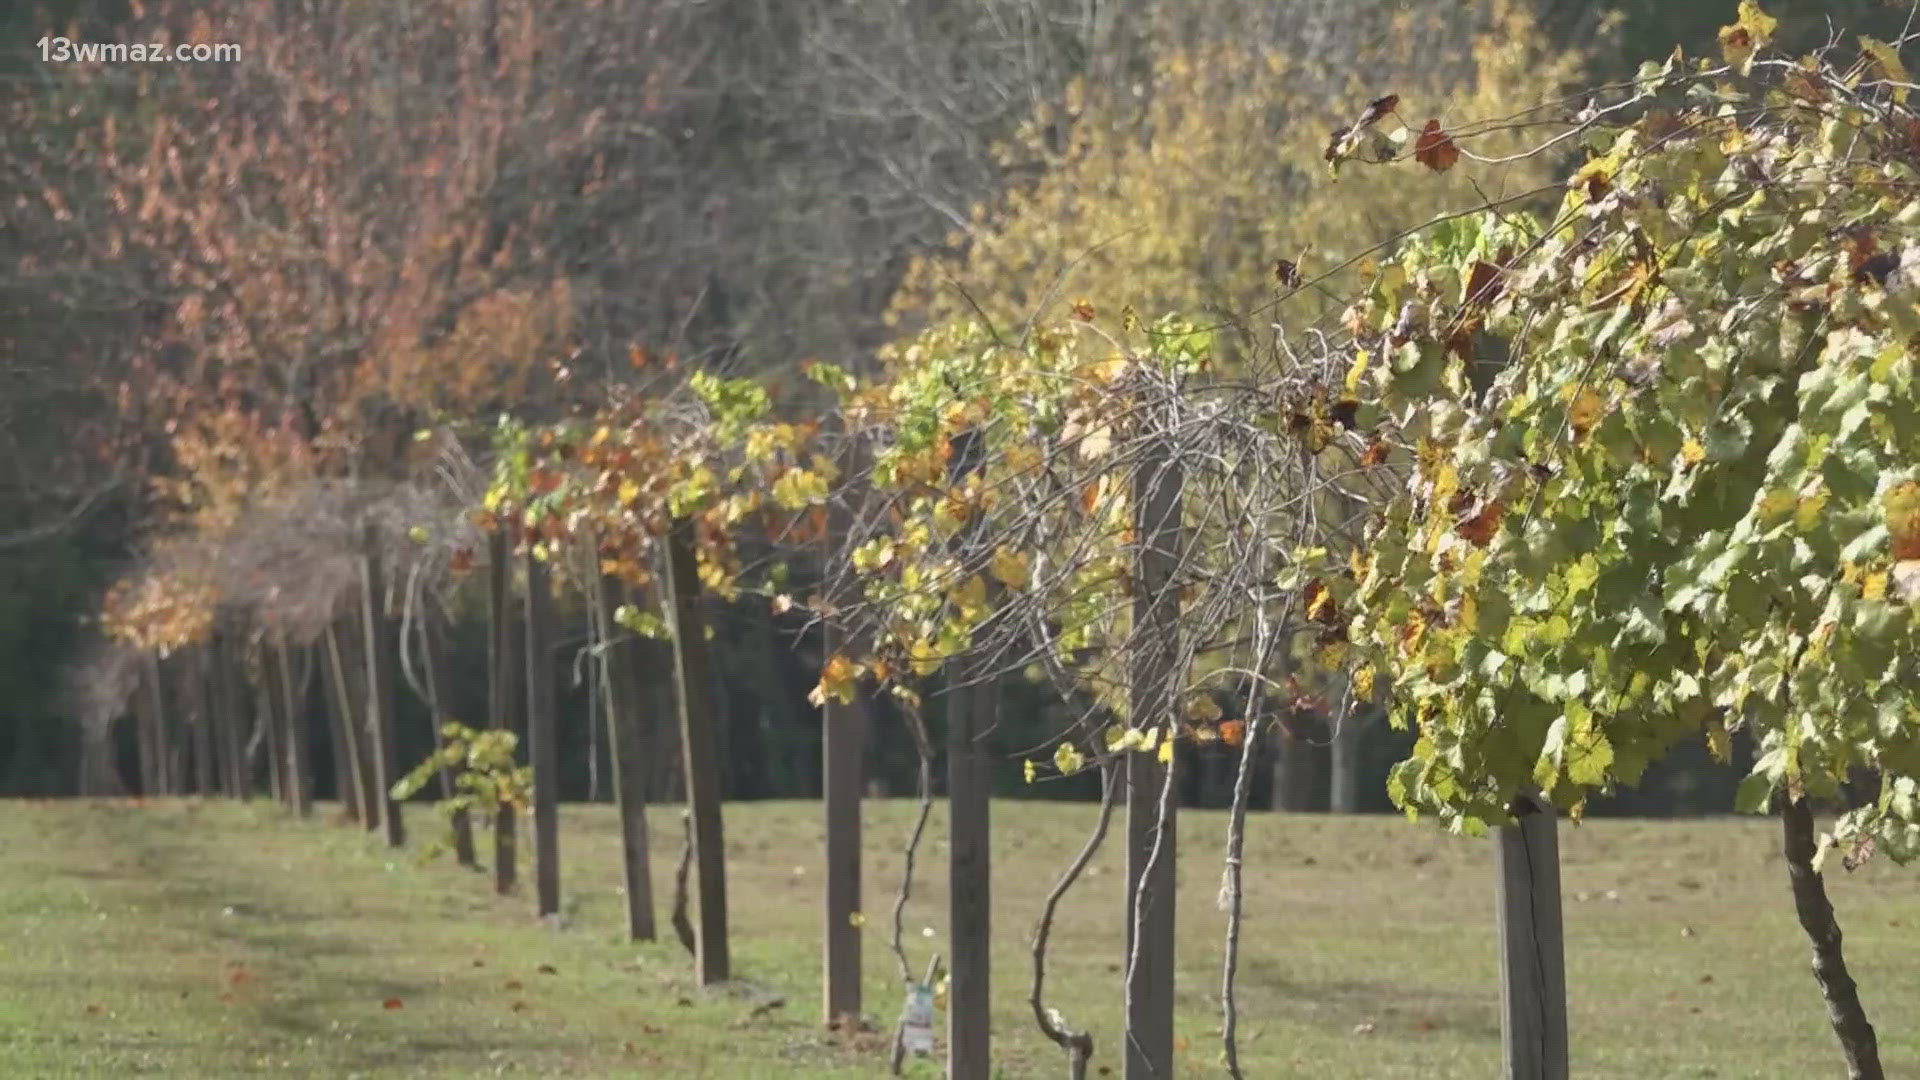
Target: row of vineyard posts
(1164,522)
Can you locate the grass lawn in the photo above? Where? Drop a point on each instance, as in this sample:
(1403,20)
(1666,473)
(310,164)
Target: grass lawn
(210,940)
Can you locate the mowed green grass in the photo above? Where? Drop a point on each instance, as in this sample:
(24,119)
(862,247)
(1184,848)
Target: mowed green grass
(212,940)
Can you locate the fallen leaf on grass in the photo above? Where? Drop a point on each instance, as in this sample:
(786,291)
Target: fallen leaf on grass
(547,969)
(519,1006)
(96,1009)
(393,1003)
(512,984)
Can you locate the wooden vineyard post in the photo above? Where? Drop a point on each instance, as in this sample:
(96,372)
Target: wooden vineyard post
(624,726)
(1149,963)
(1533,980)
(842,757)
(382,645)
(972,710)
(842,780)
(694,679)
(502,692)
(972,714)
(542,736)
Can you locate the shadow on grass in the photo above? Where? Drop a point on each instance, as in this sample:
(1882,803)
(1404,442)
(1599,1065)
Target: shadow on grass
(1398,1006)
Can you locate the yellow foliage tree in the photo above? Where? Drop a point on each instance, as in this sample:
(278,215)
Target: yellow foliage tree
(1186,191)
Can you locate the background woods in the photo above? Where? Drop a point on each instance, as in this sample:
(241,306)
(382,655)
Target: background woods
(341,244)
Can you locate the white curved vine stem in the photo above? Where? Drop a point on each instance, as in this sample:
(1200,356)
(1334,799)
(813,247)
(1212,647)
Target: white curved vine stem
(1077,1044)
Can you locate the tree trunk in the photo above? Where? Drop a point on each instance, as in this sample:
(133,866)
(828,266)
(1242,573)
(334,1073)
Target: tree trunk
(1296,764)
(382,695)
(346,782)
(693,676)
(298,777)
(196,672)
(266,705)
(503,692)
(348,709)
(1844,1011)
(434,661)
(625,728)
(542,738)
(1151,821)
(146,729)
(226,721)
(1349,745)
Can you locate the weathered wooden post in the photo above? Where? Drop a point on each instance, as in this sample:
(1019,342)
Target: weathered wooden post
(842,754)
(1533,971)
(624,726)
(972,711)
(842,779)
(382,645)
(542,738)
(502,692)
(693,676)
(1157,488)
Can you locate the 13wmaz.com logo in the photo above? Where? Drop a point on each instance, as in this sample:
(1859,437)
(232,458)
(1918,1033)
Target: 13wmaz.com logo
(60,50)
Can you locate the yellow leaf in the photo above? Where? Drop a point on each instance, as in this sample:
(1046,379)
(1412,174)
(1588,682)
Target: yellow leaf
(1891,69)
(1692,452)
(1358,371)
(970,597)
(1749,34)
(1720,743)
(1585,411)
(838,679)
(1068,759)
(856,918)
(1028,767)
(1012,568)
(629,492)
(923,657)
(1166,752)
(1901,506)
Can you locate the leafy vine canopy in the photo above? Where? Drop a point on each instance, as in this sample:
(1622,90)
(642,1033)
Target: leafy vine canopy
(1688,503)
